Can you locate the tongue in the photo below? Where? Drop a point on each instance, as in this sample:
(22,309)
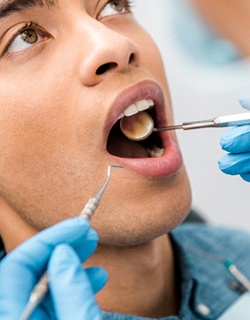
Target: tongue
(120,146)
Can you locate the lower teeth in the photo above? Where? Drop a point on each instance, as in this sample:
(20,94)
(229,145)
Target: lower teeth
(156,152)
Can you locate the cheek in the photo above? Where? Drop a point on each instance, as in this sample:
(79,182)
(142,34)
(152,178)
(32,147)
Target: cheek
(151,59)
(28,122)
(45,171)
(150,54)
(37,111)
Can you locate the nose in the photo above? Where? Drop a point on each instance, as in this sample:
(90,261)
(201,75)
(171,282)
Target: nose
(108,52)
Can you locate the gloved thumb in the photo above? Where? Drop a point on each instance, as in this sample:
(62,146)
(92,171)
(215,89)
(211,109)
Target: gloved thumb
(70,286)
(245,101)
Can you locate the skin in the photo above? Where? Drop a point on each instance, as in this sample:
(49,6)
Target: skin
(53,148)
(229,18)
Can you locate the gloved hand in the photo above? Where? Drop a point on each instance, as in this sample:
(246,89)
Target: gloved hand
(236,141)
(60,249)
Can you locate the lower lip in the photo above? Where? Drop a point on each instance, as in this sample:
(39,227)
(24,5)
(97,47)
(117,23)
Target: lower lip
(166,165)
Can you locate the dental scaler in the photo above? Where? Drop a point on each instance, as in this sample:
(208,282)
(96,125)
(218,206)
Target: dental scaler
(41,288)
(141,125)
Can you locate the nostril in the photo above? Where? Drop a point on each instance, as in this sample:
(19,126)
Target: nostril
(132,58)
(105,67)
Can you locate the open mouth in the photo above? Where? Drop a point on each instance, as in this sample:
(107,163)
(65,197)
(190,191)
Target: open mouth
(121,146)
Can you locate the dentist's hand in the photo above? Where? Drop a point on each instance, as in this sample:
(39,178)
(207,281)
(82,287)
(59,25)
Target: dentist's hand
(236,141)
(60,249)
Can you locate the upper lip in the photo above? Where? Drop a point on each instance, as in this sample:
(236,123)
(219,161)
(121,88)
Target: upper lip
(146,89)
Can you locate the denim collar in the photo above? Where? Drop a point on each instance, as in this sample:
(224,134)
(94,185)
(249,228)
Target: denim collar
(201,251)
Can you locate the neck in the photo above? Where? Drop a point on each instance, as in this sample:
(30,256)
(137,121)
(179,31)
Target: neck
(141,279)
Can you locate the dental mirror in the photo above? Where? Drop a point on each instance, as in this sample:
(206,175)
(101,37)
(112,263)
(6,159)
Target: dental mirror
(137,127)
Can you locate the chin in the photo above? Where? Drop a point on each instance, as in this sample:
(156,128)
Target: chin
(143,226)
(130,236)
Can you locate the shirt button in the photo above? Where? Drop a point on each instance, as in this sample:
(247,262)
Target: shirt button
(203,309)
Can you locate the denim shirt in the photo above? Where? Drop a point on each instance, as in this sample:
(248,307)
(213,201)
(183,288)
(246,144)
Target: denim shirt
(207,288)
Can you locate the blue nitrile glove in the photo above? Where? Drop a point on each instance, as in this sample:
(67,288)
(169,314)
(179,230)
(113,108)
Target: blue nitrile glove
(236,141)
(60,249)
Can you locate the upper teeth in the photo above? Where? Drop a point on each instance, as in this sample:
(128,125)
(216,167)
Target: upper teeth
(137,107)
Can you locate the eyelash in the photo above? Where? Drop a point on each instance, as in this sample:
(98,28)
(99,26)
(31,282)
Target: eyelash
(28,25)
(39,29)
(127,4)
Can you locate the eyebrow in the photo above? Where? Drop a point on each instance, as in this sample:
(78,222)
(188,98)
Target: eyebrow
(12,6)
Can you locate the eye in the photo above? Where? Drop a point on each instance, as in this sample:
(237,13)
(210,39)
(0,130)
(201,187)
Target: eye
(25,37)
(115,7)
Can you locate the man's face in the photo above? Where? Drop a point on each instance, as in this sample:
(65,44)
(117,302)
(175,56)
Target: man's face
(68,70)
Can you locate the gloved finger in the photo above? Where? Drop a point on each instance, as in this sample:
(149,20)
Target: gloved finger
(21,269)
(13,301)
(234,164)
(44,310)
(74,231)
(245,176)
(236,140)
(38,314)
(97,277)
(70,287)
(245,102)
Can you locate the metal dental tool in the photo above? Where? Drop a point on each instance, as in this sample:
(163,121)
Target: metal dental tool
(140,126)
(41,288)
(222,121)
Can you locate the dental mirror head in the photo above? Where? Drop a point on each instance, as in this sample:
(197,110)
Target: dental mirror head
(137,127)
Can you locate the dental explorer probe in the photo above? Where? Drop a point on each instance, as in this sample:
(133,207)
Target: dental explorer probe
(42,286)
(141,125)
